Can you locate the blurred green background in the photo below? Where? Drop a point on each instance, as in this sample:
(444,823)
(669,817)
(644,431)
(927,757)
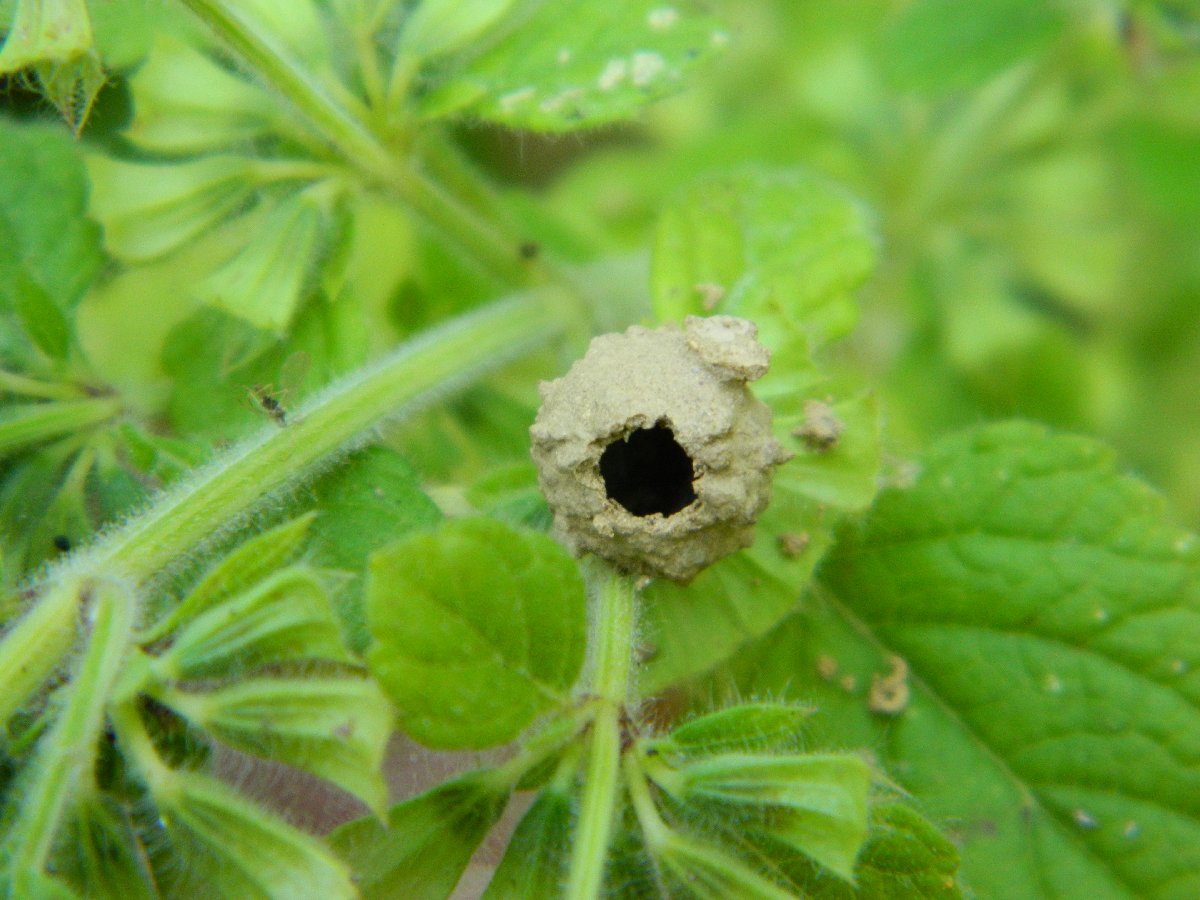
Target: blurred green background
(1035,171)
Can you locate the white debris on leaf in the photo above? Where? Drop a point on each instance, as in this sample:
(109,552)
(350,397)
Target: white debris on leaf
(645,67)
(663,18)
(510,101)
(563,98)
(613,74)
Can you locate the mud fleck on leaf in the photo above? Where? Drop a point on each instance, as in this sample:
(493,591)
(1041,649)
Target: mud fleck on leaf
(889,693)
(822,429)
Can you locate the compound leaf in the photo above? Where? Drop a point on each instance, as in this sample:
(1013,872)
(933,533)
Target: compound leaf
(336,728)
(243,851)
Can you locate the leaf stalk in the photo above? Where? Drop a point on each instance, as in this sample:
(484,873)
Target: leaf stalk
(613,630)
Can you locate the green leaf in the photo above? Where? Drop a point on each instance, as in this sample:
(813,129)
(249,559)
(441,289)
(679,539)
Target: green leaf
(215,361)
(42,320)
(31,485)
(750,727)
(1049,618)
(97,854)
(428,840)
(240,849)
(123,30)
(476,433)
(25,425)
(814,803)
(438,27)
(249,563)
(184,102)
(160,458)
(511,493)
(149,209)
(938,46)
(53,31)
(1160,157)
(49,249)
(905,857)
(220,365)
(786,250)
(367,502)
(783,248)
(30,883)
(565,67)
(264,280)
(336,728)
(287,616)
(535,861)
(833,427)
(477,628)
(71,87)
(706,872)
(691,629)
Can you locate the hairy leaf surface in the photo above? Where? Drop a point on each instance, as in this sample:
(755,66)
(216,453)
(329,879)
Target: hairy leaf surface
(427,842)
(1043,624)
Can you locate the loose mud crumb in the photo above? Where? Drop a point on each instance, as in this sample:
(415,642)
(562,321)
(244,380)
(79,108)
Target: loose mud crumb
(890,693)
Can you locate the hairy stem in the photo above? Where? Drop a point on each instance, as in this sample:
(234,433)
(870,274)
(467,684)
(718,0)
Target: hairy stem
(258,48)
(653,828)
(36,645)
(613,630)
(219,495)
(68,751)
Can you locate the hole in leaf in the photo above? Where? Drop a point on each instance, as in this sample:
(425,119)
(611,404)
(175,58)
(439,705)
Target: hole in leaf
(648,472)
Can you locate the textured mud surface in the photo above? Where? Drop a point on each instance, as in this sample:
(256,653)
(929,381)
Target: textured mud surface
(653,453)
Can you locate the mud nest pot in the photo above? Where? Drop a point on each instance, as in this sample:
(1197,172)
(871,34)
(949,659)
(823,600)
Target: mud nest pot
(653,453)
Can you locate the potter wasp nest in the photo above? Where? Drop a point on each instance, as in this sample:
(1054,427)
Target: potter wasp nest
(653,453)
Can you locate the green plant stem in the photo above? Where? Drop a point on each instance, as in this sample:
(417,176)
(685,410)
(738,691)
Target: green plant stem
(36,423)
(67,753)
(23,385)
(258,48)
(352,140)
(37,644)
(613,631)
(653,828)
(219,495)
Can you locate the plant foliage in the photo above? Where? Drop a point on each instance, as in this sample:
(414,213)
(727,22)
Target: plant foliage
(278,283)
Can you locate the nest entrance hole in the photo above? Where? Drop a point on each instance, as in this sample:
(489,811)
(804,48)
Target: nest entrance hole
(648,472)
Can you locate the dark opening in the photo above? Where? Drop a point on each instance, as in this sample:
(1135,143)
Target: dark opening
(648,472)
